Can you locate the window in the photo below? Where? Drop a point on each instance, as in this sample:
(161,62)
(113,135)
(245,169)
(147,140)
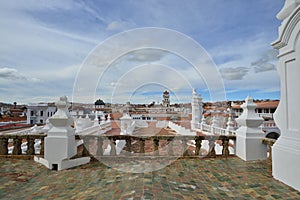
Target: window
(273,110)
(31,113)
(42,113)
(41,121)
(48,114)
(259,110)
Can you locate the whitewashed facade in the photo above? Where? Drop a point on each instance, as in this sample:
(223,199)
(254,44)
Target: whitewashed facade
(39,113)
(286,151)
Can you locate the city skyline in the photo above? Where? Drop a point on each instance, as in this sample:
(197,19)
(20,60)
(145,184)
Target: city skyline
(44,45)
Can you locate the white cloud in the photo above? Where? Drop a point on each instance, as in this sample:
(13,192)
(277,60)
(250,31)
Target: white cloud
(264,64)
(13,74)
(236,73)
(119,25)
(263,67)
(146,55)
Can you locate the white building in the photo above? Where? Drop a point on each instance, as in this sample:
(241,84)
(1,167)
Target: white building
(39,113)
(145,116)
(265,109)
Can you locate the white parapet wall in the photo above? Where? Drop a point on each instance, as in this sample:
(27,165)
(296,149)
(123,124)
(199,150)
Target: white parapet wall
(180,130)
(161,124)
(286,151)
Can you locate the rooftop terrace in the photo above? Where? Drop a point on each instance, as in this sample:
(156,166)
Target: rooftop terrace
(213,178)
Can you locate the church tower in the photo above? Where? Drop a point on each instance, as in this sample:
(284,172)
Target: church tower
(196,110)
(166,99)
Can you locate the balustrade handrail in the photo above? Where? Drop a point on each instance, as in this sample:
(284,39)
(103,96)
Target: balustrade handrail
(31,139)
(17,143)
(156,138)
(20,132)
(160,137)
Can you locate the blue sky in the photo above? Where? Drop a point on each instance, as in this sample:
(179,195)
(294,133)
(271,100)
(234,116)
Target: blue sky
(44,43)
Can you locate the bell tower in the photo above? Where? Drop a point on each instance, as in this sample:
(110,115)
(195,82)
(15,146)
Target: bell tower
(166,99)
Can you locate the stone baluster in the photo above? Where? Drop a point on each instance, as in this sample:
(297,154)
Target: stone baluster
(128,146)
(184,147)
(211,151)
(113,151)
(170,147)
(198,146)
(100,149)
(156,145)
(86,143)
(17,146)
(30,146)
(225,150)
(142,145)
(3,146)
(42,151)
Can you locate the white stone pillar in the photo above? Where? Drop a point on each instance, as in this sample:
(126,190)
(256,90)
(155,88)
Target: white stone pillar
(102,118)
(230,122)
(96,120)
(126,121)
(196,110)
(215,122)
(203,122)
(60,145)
(286,150)
(248,137)
(230,126)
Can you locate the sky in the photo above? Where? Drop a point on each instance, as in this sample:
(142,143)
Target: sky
(45,46)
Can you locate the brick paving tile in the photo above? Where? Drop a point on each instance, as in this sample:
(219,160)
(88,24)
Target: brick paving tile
(215,178)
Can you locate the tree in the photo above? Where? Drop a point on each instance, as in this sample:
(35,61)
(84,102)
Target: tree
(15,103)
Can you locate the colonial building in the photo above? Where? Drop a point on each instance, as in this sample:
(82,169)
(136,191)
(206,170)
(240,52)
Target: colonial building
(39,113)
(265,109)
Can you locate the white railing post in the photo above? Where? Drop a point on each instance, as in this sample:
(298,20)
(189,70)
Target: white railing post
(60,144)
(249,135)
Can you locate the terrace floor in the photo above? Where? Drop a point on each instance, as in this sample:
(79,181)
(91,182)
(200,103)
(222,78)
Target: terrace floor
(214,178)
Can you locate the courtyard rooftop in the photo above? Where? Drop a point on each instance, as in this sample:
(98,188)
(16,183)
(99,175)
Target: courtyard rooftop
(186,178)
